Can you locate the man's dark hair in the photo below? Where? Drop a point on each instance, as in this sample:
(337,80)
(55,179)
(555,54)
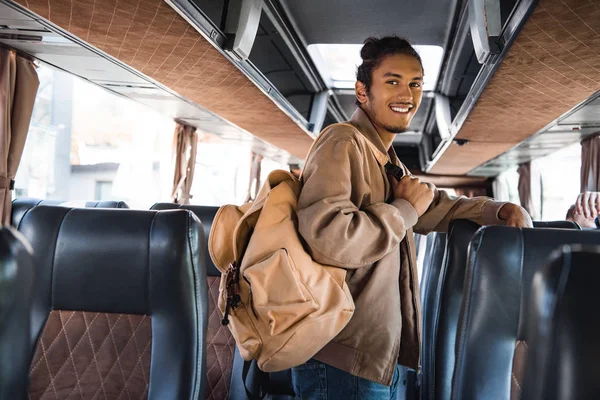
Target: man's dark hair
(375,50)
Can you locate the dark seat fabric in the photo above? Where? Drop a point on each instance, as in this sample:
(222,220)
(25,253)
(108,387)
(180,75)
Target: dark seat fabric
(222,383)
(119,309)
(441,308)
(493,335)
(21,205)
(16,281)
(432,266)
(106,204)
(563,359)
(206,214)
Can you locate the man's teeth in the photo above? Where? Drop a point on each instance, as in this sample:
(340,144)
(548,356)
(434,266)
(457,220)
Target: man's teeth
(401,109)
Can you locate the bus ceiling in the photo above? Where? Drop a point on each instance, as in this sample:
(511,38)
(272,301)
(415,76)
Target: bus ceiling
(506,81)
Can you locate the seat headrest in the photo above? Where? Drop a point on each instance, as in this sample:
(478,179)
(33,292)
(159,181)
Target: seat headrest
(21,205)
(206,214)
(564,346)
(106,204)
(556,224)
(108,259)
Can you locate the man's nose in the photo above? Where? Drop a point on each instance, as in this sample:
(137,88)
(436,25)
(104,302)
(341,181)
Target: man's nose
(404,94)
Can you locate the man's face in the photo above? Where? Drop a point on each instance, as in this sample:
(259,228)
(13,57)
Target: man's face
(395,93)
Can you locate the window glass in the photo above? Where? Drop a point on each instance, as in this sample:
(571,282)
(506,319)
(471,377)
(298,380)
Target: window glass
(560,172)
(86,143)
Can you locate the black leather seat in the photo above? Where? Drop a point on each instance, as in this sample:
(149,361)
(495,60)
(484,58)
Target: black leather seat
(16,281)
(493,335)
(221,382)
(563,359)
(441,308)
(21,205)
(119,308)
(225,364)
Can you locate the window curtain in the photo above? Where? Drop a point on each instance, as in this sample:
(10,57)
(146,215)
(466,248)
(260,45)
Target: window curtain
(530,189)
(185,146)
(18,88)
(590,164)
(254,181)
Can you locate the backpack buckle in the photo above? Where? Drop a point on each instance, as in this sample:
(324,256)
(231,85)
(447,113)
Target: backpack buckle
(232,288)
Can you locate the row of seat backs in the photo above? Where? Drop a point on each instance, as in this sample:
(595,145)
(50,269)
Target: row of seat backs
(512,272)
(222,356)
(442,295)
(21,205)
(563,352)
(493,327)
(120,309)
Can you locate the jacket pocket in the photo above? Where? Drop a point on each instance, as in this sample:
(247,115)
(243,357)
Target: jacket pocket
(279,297)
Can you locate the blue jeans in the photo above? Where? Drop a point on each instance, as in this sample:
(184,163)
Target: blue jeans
(318,381)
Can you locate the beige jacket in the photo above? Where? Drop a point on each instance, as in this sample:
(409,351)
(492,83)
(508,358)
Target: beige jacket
(346,222)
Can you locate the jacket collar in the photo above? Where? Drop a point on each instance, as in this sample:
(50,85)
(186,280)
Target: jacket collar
(361,121)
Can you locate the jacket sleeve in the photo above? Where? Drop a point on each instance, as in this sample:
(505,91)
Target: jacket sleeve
(336,230)
(444,208)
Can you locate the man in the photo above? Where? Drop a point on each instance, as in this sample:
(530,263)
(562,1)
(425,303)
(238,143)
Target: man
(353,217)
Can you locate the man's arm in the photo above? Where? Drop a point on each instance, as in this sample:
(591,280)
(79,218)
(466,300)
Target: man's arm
(482,210)
(337,232)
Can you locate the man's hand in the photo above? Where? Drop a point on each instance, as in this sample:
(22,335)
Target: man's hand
(515,216)
(588,204)
(415,192)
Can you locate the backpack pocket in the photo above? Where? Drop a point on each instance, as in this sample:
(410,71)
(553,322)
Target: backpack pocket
(279,297)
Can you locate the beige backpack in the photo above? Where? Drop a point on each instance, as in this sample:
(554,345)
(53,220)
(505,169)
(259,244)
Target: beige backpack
(281,306)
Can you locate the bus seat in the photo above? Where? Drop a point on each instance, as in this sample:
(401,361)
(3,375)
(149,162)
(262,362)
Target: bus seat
(432,265)
(21,205)
(16,280)
(564,352)
(225,364)
(441,308)
(119,308)
(492,336)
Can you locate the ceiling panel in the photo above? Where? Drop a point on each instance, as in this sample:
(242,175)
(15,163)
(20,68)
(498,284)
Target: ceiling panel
(550,69)
(352,21)
(459,159)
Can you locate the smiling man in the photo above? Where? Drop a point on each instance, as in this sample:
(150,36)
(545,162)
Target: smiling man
(354,215)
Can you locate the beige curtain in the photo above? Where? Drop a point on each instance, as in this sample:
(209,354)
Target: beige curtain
(530,189)
(18,87)
(525,190)
(254,181)
(185,146)
(590,164)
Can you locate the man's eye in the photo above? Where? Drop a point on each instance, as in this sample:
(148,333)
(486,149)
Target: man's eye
(392,82)
(415,84)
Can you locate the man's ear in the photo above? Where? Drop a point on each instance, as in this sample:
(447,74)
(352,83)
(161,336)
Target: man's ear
(361,92)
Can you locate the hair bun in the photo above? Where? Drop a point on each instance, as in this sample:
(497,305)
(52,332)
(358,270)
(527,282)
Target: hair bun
(369,49)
